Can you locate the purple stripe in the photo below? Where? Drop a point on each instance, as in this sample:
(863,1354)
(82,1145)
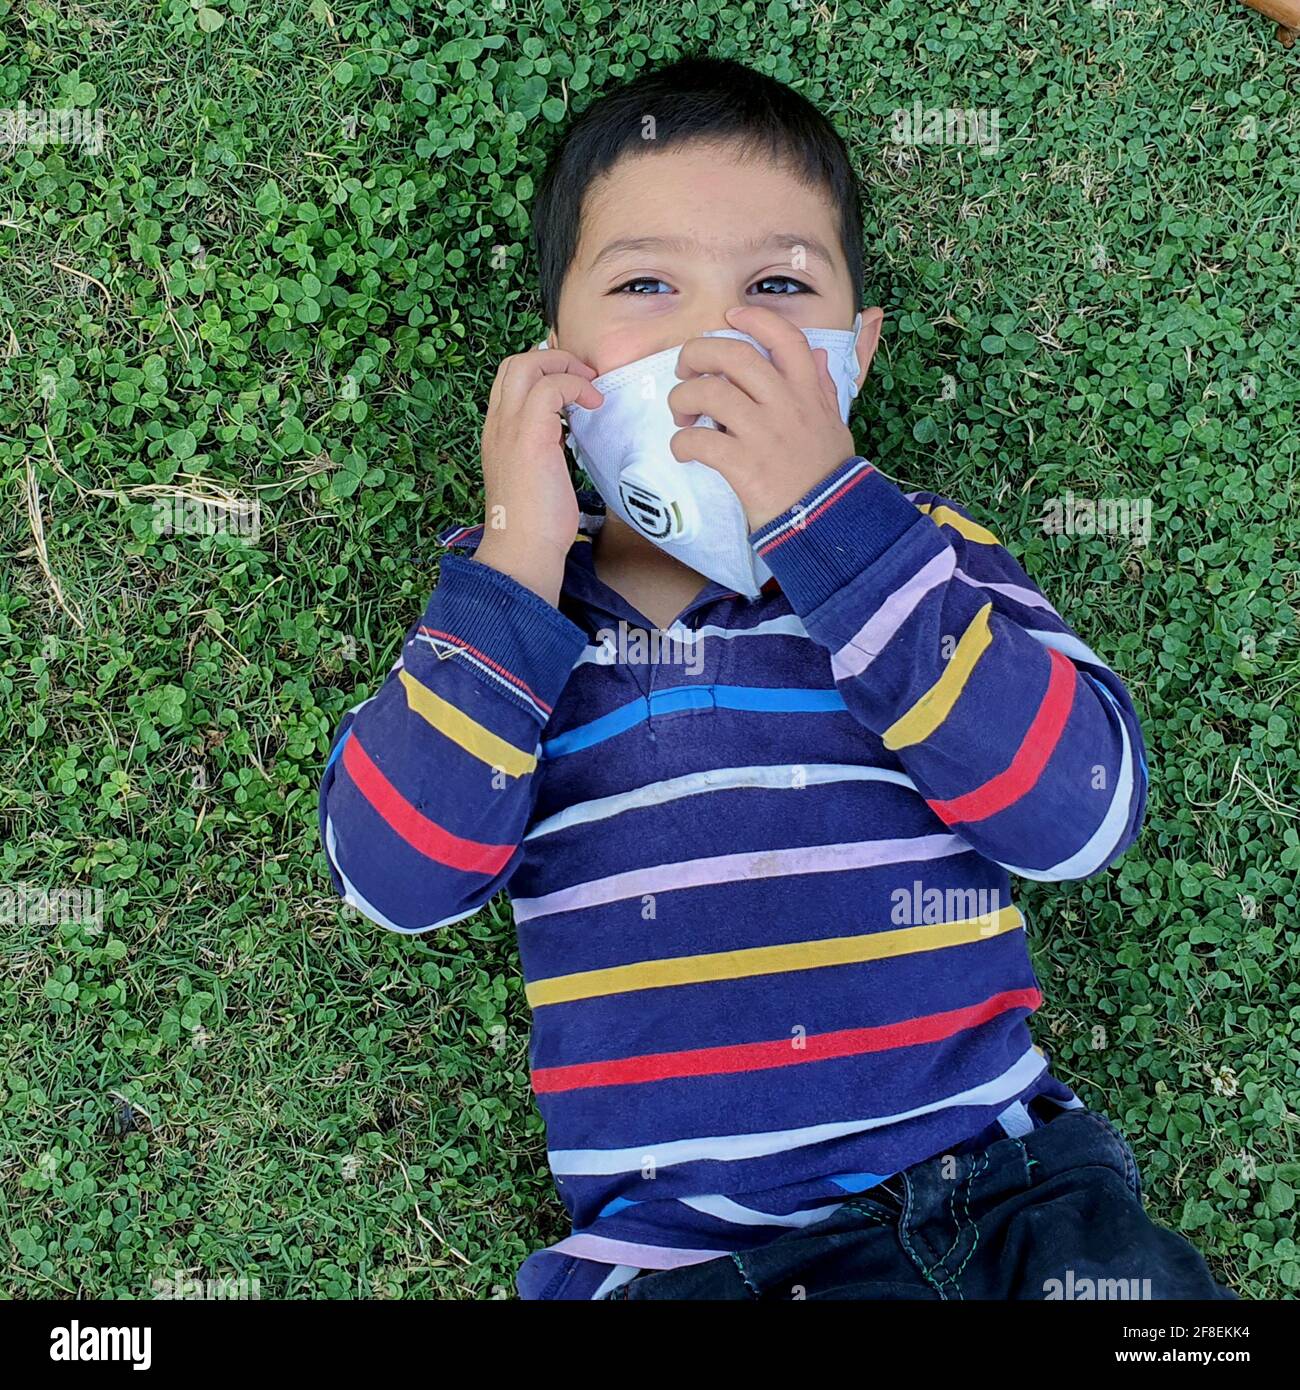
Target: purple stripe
(625,1252)
(870,639)
(1029,597)
(730,868)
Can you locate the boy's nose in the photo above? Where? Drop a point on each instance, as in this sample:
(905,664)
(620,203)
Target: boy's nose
(710,320)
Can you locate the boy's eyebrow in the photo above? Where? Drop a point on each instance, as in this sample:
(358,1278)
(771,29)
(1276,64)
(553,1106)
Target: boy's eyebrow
(778,241)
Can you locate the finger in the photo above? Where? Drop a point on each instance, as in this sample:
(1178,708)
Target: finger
(720,451)
(791,353)
(716,397)
(519,374)
(829,392)
(739,362)
(544,404)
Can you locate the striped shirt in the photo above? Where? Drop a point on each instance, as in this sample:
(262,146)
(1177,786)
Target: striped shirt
(759,865)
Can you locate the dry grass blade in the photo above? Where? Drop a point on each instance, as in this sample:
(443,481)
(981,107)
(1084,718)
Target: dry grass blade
(32,492)
(81,275)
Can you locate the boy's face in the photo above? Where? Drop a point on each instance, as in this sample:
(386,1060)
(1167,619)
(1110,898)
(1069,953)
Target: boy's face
(671,240)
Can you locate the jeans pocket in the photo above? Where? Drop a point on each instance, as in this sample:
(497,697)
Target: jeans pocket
(877,1213)
(884,1201)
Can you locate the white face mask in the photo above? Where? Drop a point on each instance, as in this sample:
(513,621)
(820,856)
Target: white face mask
(687,509)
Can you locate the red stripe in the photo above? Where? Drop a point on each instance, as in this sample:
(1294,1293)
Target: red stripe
(793,530)
(1031,757)
(459,534)
(745,1057)
(483,656)
(419,831)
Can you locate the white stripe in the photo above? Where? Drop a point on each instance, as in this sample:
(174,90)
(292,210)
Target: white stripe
(1016,1120)
(589,523)
(1108,834)
(729,1148)
(775,777)
(727,1210)
(788,626)
(617,1277)
(1028,598)
(446,650)
(800,519)
(604,654)
(874,635)
(1068,645)
(354,899)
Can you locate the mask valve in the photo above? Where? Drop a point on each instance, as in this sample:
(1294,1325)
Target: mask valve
(651,507)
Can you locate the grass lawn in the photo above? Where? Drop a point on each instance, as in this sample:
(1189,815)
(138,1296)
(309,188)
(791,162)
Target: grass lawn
(286,279)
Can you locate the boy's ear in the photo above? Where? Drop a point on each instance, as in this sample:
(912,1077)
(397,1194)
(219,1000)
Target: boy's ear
(551,342)
(868,341)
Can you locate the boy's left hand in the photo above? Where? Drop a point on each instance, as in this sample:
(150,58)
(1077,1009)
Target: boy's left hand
(783,428)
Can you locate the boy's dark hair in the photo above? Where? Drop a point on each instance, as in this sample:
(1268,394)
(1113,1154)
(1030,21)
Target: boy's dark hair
(691,99)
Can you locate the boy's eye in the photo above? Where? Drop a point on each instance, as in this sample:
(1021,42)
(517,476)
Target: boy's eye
(797,286)
(633,286)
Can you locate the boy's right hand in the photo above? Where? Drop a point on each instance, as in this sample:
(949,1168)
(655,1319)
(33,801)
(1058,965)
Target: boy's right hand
(532,512)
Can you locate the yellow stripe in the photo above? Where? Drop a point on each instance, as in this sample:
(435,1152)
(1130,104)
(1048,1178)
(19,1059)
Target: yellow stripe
(477,741)
(936,704)
(769,960)
(945,516)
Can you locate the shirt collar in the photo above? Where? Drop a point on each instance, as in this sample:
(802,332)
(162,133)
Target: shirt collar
(581,581)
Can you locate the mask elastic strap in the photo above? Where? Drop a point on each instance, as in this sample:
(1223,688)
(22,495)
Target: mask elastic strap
(852,354)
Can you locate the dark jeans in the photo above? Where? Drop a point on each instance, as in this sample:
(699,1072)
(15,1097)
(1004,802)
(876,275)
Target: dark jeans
(1056,1213)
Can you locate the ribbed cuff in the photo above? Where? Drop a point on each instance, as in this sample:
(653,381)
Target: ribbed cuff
(834,532)
(522,637)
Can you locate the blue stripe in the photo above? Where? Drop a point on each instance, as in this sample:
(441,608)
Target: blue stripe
(859,1182)
(755,699)
(338,748)
(1136,742)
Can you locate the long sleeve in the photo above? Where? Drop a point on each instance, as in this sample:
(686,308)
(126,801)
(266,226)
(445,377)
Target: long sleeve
(1017,734)
(430,783)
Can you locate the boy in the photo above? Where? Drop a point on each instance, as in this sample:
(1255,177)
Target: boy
(779,994)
